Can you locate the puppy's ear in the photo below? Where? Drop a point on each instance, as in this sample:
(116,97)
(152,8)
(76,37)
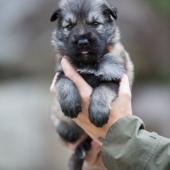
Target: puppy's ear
(111,12)
(114,13)
(55,15)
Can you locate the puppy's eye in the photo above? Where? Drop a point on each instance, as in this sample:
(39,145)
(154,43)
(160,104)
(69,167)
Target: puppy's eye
(95,23)
(70,26)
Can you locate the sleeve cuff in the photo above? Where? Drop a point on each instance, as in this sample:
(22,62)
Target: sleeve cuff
(128,145)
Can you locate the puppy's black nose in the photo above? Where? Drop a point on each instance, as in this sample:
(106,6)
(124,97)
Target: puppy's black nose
(83,43)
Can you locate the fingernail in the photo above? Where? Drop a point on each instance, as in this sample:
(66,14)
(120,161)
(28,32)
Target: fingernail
(63,60)
(52,87)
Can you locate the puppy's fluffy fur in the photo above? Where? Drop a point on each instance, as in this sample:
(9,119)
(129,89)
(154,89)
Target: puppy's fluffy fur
(88,35)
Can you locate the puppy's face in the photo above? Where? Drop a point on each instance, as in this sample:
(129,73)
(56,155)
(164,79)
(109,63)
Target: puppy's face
(85,28)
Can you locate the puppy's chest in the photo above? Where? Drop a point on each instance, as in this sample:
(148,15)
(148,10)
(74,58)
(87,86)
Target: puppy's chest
(106,70)
(92,80)
(95,77)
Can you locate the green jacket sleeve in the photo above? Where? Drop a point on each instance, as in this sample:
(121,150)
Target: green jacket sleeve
(128,146)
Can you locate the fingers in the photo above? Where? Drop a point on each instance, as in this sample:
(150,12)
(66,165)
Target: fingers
(93,153)
(52,87)
(71,73)
(123,104)
(74,146)
(124,88)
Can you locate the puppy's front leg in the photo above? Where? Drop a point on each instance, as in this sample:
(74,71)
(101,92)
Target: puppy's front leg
(68,96)
(100,103)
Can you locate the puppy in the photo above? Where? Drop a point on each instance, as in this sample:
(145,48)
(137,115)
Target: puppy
(88,35)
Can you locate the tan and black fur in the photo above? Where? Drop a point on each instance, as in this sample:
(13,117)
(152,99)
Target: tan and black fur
(87,34)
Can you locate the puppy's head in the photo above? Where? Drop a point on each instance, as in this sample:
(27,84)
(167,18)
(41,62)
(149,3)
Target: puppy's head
(85,29)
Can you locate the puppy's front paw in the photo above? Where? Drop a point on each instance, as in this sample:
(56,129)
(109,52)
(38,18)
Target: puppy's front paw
(69,98)
(98,112)
(100,103)
(71,106)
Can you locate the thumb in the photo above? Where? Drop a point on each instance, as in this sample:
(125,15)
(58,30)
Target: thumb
(71,73)
(124,88)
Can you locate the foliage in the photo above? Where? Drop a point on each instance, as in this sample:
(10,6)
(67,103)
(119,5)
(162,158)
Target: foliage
(162,5)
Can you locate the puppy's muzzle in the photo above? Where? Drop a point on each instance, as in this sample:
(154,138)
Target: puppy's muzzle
(83,43)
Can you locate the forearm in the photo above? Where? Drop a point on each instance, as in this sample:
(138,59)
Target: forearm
(128,146)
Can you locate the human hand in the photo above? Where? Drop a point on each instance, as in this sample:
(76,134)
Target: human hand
(121,107)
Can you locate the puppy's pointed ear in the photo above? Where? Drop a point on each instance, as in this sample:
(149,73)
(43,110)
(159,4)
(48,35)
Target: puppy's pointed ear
(111,12)
(55,15)
(114,13)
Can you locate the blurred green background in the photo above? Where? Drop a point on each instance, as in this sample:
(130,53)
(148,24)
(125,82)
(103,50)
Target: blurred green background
(27,137)
(163,6)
